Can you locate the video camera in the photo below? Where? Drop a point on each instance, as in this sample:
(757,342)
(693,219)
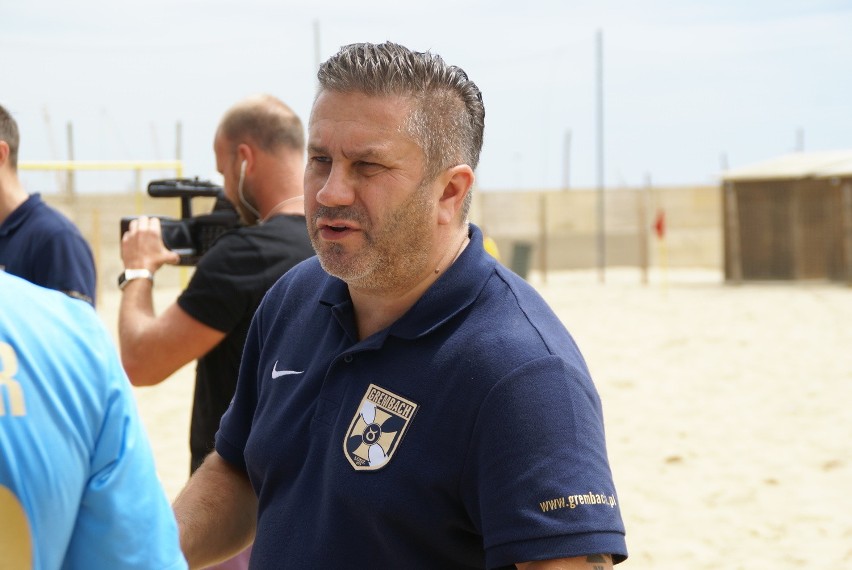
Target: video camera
(191,236)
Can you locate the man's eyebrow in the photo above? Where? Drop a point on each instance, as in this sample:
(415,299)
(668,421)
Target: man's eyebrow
(316,149)
(368,154)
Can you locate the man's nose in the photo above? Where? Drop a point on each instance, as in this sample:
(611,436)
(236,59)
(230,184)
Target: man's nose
(338,189)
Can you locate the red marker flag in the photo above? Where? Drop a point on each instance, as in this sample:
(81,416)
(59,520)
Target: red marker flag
(660,223)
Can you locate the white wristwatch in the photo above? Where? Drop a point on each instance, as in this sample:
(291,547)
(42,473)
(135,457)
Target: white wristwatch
(129,275)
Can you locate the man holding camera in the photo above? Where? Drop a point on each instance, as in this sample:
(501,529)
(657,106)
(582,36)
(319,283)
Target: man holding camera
(259,147)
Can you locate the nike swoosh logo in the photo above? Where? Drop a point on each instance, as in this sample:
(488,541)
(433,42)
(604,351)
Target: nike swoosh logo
(280,373)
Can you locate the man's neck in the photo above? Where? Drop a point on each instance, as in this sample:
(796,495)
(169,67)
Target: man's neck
(12,195)
(280,179)
(377,310)
(291,205)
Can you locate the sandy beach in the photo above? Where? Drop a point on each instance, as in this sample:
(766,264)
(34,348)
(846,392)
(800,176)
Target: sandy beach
(727,410)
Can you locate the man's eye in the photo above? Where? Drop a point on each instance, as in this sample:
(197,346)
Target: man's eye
(369,168)
(319,162)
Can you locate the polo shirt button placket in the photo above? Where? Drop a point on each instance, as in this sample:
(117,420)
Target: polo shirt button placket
(348,359)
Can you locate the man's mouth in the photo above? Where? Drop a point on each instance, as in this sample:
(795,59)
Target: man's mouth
(335,230)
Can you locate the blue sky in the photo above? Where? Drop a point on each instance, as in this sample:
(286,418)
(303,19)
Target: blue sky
(687,85)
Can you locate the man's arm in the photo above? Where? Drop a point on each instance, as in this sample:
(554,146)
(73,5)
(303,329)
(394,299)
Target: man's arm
(152,347)
(216,512)
(70,265)
(592,562)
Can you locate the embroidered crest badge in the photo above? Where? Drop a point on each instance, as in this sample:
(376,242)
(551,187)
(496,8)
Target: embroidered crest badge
(377,428)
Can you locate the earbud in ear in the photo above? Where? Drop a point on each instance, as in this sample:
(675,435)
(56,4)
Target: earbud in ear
(243,168)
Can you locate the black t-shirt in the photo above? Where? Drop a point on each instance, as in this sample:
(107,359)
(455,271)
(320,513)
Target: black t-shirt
(224,292)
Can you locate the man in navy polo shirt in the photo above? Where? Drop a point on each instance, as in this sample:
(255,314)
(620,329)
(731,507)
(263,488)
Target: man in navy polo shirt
(38,243)
(404,401)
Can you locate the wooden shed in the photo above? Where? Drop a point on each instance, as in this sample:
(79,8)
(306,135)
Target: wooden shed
(789,218)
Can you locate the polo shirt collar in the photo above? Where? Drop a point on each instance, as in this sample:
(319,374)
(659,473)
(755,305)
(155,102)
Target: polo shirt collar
(20,214)
(453,292)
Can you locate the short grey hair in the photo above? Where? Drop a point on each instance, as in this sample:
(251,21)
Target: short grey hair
(448,117)
(9,133)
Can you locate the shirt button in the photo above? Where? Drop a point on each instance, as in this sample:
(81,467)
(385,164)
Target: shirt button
(347,359)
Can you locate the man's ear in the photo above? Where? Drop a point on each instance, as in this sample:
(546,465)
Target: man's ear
(245,154)
(457,182)
(4,153)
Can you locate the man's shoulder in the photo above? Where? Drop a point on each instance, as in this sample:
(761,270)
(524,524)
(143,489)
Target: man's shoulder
(510,292)
(37,308)
(44,220)
(265,239)
(280,228)
(249,262)
(535,331)
(231,249)
(34,298)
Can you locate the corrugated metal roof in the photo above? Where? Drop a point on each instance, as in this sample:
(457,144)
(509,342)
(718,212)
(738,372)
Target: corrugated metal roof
(796,165)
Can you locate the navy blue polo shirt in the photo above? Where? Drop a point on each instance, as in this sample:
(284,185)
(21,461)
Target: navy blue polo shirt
(468,434)
(39,244)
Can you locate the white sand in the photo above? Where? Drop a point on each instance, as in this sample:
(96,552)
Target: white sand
(727,410)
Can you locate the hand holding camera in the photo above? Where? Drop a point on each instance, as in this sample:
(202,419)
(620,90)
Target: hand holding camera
(189,237)
(142,245)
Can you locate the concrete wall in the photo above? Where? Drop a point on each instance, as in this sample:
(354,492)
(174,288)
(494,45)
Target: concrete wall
(560,226)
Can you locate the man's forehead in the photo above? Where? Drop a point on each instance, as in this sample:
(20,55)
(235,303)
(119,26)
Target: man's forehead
(220,143)
(372,125)
(386,109)
(365,143)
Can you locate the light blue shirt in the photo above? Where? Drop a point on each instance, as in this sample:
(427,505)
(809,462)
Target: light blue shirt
(78,488)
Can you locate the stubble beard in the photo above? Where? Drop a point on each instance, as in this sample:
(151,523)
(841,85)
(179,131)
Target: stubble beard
(392,257)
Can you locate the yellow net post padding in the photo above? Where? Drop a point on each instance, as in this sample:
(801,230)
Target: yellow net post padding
(109,165)
(137,165)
